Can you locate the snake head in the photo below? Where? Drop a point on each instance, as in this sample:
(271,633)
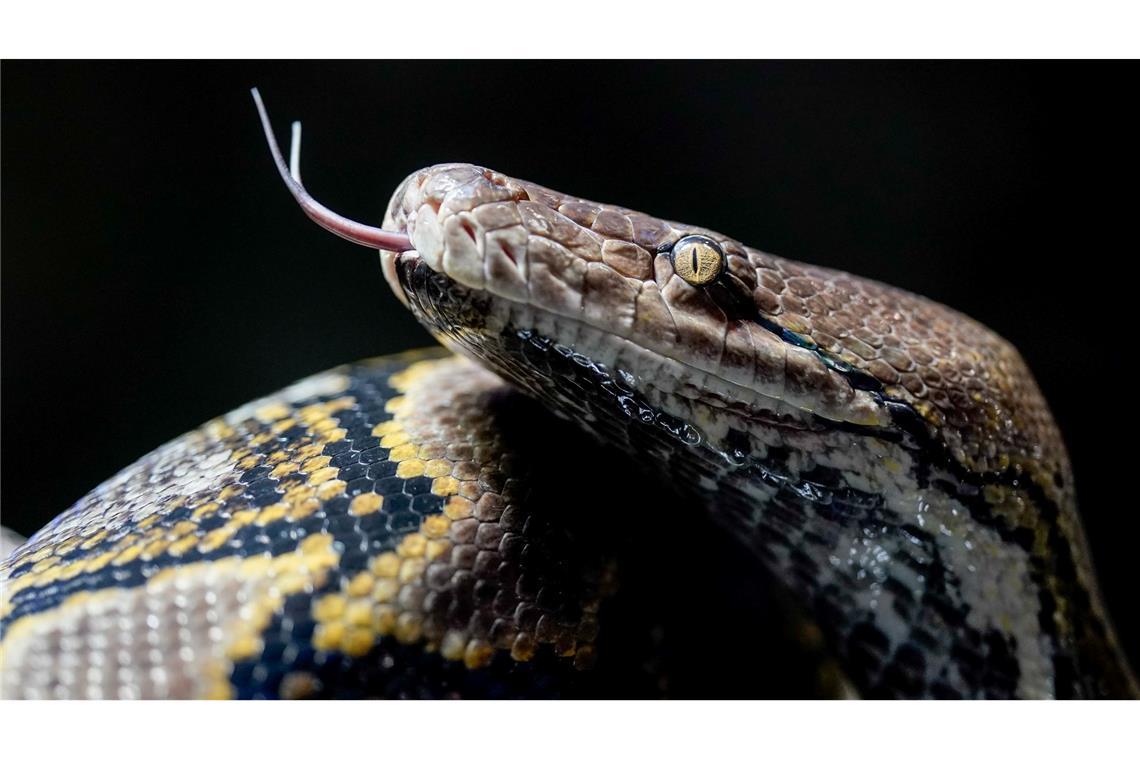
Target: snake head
(607,282)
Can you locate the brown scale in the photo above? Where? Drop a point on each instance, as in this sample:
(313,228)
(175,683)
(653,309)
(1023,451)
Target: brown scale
(463,583)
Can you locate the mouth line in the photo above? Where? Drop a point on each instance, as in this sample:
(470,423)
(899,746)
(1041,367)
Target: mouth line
(728,397)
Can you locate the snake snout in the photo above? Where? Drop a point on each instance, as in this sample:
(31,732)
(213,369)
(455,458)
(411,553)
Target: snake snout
(463,221)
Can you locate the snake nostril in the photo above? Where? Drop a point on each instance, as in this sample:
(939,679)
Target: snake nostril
(498,180)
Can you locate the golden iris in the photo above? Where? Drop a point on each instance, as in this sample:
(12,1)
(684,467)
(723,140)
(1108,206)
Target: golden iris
(697,260)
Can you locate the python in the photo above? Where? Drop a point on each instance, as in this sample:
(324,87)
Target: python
(423,527)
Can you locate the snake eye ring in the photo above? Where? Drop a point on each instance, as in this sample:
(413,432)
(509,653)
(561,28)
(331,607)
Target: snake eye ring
(698,260)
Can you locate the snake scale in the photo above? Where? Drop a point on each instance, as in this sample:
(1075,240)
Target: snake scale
(456,523)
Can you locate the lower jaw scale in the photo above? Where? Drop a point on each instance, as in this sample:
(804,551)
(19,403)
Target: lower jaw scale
(388,263)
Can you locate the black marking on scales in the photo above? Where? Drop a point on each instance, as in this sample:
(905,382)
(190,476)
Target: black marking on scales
(364,465)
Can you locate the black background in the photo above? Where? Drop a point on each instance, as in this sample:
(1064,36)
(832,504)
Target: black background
(156,273)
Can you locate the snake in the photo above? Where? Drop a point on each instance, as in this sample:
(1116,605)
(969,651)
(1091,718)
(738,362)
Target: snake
(460,521)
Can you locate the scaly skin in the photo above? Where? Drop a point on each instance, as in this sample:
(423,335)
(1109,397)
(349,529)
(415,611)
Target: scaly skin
(891,461)
(390,528)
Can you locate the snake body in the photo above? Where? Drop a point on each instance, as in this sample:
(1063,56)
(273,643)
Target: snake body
(401,528)
(382,529)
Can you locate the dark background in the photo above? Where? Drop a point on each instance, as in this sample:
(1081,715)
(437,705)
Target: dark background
(156,273)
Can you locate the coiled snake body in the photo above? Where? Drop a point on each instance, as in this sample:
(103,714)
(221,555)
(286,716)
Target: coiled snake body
(405,527)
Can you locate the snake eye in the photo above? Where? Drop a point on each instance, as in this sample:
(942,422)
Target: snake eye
(697,260)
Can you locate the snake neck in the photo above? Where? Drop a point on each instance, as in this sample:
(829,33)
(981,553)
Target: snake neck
(926,579)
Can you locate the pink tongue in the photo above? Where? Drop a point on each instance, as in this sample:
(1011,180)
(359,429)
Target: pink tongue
(361,234)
